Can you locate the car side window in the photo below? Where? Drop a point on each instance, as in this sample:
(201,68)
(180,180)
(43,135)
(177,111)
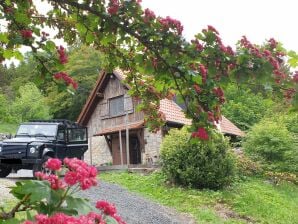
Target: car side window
(61,135)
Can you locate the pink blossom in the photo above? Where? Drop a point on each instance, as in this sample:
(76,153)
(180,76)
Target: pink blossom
(53,164)
(106,207)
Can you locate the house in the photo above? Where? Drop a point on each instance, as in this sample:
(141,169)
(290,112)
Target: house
(116,131)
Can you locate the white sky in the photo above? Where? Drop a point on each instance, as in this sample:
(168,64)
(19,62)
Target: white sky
(257,19)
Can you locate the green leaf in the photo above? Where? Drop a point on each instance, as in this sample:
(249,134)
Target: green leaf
(50,46)
(8,54)
(4,38)
(81,28)
(22,18)
(38,190)
(18,55)
(81,205)
(89,38)
(10,221)
(110,220)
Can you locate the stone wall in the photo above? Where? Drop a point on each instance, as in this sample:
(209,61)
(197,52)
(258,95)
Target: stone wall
(100,151)
(152,147)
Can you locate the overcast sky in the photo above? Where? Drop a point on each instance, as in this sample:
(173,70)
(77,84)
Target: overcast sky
(257,19)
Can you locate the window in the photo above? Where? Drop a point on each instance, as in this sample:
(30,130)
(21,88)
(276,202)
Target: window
(117,106)
(77,135)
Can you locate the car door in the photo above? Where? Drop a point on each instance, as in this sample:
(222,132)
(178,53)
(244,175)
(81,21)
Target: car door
(77,143)
(61,147)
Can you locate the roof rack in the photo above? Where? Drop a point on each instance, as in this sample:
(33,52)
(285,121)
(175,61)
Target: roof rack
(67,123)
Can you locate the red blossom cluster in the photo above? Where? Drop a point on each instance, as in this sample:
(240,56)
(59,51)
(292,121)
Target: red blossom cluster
(67,79)
(62,55)
(201,133)
(203,72)
(53,179)
(274,59)
(27,34)
(289,93)
(59,218)
(113,7)
(79,173)
(199,47)
(149,15)
(169,22)
(219,93)
(54,164)
(197,88)
(109,209)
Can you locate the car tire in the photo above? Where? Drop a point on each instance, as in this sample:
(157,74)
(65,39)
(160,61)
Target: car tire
(4,171)
(41,167)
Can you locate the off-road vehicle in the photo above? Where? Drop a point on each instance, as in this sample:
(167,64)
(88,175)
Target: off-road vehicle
(37,141)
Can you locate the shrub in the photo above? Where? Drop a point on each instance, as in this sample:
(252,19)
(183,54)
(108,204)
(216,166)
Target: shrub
(199,164)
(277,177)
(247,167)
(271,143)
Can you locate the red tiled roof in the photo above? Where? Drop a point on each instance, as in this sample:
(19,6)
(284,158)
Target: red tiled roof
(226,126)
(131,126)
(173,112)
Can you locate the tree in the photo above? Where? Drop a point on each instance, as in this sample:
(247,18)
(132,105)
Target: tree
(84,65)
(245,108)
(159,62)
(30,104)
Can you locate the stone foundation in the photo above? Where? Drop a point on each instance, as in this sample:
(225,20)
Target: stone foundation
(100,151)
(152,146)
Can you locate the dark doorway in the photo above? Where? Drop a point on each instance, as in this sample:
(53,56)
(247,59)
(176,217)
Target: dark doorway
(134,150)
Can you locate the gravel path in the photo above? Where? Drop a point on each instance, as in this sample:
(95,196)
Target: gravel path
(133,208)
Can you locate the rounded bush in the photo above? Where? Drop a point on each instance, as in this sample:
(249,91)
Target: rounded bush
(271,143)
(199,164)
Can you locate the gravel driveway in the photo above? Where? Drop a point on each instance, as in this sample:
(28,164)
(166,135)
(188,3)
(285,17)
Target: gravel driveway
(133,208)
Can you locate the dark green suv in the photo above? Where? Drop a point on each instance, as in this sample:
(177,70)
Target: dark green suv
(37,141)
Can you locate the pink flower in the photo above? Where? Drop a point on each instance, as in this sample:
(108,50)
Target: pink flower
(106,207)
(70,178)
(62,55)
(149,15)
(113,7)
(54,164)
(201,133)
(27,34)
(197,88)
(211,28)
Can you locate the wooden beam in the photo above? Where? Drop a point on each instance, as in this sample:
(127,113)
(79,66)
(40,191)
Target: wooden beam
(121,148)
(100,95)
(109,143)
(127,140)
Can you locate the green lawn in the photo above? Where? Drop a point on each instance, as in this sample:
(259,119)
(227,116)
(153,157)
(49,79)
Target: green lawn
(253,200)
(8,128)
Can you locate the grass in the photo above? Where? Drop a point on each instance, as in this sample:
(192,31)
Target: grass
(8,128)
(254,199)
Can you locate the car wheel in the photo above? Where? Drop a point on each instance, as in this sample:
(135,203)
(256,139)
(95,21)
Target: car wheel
(4,171)
(42,168)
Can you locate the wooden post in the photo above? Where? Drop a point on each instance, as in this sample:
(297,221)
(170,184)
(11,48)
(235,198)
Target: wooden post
(121,150)
(90,149)
(127,140)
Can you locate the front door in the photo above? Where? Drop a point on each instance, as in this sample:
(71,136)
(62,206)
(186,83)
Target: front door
(134,150)
(116,150)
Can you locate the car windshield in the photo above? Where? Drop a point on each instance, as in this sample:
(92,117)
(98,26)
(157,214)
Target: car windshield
(37,130)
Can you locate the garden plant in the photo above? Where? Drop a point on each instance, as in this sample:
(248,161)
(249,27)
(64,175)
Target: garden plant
(53,199)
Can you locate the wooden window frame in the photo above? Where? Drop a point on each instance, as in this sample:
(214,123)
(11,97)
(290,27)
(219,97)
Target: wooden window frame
(120,113)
